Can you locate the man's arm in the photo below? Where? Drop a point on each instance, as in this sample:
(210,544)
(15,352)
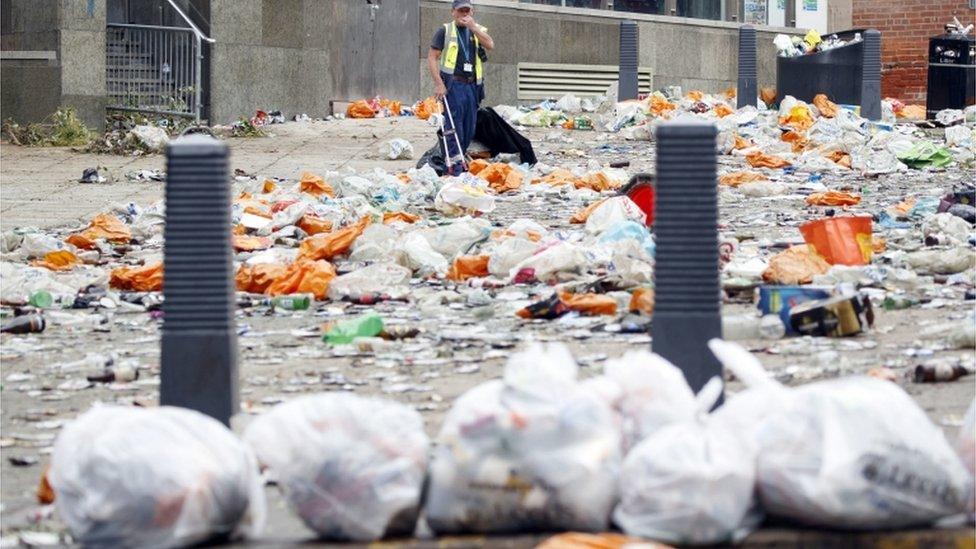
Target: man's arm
(433,66)
(483,37)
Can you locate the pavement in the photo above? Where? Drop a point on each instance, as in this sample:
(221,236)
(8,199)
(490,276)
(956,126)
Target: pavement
(39,188)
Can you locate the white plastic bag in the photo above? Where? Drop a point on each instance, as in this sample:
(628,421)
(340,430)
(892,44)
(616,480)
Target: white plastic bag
(612,211)
(966,448)
(691,482)
(569,103)
(457,237)
(396,149)
(853,452)
(459,197)
(377,242)
(534,451)
(420,257)
(561,257)
(508,253)
(156,477)
(381,278)
(351,467)
(654,394)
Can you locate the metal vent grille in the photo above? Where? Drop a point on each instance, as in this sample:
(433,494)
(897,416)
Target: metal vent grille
(543,80)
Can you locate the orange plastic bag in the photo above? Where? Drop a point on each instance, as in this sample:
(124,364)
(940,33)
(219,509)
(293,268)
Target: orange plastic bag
(840,240)
(256,278)
(694,95)
(315,185)
(248,243)
(304,277)
(468,266)
(742,143)
(658,105)
(605,540)
(393,217)
(269,186)
(329,245)
(359,109)
(796,265)
(797,139)
(557,177)
(60,260)
(423,109)
(833,198)
(827,108)
(589,304)
(501,177)
(840,158)
(642,301)
(45,494)
(722,110)
(799,118)
(912,112)
(393,106)
(109,227)
(314,225)
(475,167)
(768,96)
(81,241)
(734,179)
(584,214)
(730,93)
(763,160)
(148,278)
(598,181)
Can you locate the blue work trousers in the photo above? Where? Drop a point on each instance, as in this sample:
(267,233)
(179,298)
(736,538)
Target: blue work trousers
(463,100)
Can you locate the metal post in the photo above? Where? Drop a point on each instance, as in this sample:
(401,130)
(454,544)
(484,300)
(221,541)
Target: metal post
(746,87)
(686,273)
(197,75)
(627,84)
(790,16)
(199,344)
(871,76)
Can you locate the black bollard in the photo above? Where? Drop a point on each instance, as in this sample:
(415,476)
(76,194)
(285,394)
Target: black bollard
(627,84)
(199,344)
(686,273)
(746,87)
(871,76)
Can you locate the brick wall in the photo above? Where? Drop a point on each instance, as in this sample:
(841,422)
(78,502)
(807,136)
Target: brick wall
(906,26)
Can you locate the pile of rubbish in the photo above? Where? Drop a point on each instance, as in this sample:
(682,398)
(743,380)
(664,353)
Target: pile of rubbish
(537,450)
(379,107)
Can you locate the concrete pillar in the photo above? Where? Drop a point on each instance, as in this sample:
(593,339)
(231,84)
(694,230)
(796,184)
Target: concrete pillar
(686,273)
(871,76)
(199,343)
(627,85)
(746,85)
(82,59)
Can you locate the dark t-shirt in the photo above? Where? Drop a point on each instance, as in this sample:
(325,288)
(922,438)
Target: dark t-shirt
(438,44)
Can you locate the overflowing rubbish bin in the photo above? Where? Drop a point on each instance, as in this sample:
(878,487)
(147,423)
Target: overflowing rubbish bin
(952,73)
(835,72)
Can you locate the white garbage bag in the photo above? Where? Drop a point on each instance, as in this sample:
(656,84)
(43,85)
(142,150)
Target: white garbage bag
(654,394)
(420,257)
(569,103)
(536,450)
(457,237)
(853,452)
(464,197)
(351,467)
(691,482)
(508,253)
(379,278)
(154,477)
(396,149)
(561,257)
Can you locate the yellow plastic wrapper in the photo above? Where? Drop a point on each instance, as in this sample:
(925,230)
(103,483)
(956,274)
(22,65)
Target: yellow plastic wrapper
(812,39)
(60,260)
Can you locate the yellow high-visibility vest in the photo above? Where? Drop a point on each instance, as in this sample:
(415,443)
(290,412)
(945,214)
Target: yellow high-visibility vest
(450,54)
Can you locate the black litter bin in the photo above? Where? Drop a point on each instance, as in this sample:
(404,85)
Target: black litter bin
(952,73)
(835,72)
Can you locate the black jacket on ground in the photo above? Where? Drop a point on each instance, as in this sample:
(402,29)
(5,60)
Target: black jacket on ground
(491,131)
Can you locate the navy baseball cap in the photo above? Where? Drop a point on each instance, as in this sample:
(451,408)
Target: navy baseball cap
(458,4)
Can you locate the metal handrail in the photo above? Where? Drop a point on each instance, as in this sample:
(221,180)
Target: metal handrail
(148,27)
(188,21)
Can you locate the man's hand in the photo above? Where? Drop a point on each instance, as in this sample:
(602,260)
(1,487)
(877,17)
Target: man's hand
(468,21)
(440,90)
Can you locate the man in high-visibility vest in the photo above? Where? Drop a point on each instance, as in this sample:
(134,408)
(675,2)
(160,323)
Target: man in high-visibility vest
(456,66)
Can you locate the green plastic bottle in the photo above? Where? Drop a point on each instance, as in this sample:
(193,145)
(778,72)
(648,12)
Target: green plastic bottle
(368,325)
(41,299)
(297,302)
